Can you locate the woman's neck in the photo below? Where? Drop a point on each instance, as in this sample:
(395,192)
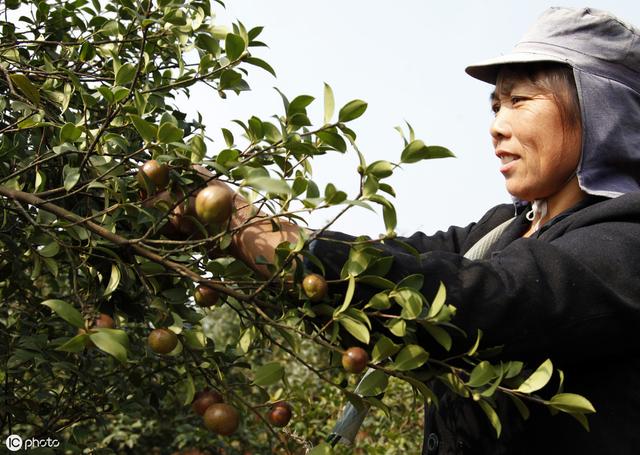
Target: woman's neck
(563,200)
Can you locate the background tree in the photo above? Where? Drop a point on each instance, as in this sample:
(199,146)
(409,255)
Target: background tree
(124,319)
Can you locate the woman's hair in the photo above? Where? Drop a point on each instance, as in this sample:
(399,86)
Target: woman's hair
(555,79)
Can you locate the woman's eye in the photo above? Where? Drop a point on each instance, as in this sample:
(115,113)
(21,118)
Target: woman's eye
(517,99)
(495,107)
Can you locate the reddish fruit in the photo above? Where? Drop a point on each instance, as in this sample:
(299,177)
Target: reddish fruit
(214,204)
(315,287)
(205,296)
(157,173)
(204,399)
(222,418)
(104,321)
(354,360)
(279,414)
(162,341)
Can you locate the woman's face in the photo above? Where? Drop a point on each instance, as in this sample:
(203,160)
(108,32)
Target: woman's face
(538,154)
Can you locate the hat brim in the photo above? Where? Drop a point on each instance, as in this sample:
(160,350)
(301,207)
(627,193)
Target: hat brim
(487,70)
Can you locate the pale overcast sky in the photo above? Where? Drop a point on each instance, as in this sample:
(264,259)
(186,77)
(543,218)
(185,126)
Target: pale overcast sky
(407,60)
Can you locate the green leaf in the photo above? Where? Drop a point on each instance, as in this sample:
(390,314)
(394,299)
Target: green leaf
(380,169)
(118,335)
(148,131)
(228,137)
(247,337)
(322,449)
(571,403)
(410,300)
(234,46)
(356,328)
(438,301)
(351,287)
(332,139)
(476,345)
(383,349)
(49,250)
(268,374)
(125,74)
(380,301)
(417,151)
(27,88)
(168,132)
(520,406)
(538,379)
(114,280)
(70,133)
(481,374)
(194,339)
(439,334)
(75,344)
(186,390)
(427,394)
(108,341)
(329,103)
(261,63)
(71,176)
(352,110)
(269,185)
(410,357)
(398,327)
(373,383)
(66,312)
(492,416)
(198,149)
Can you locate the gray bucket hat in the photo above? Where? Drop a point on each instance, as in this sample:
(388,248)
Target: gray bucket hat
(604,53)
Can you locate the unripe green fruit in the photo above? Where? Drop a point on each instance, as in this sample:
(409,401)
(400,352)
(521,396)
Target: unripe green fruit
(214,204)
(162,341)
(205,296)
(156,172)
(315,287)
(354,360)
(222,418)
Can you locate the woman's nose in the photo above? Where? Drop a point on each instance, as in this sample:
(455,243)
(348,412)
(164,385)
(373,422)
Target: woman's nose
(500,127)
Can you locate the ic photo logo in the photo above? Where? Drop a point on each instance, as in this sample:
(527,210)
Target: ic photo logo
(15,443)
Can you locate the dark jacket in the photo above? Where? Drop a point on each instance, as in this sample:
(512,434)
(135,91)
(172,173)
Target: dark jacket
(571,292)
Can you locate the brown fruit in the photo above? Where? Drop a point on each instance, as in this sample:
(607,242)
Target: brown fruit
(162,341)
(214,204)
(204,399)
(222,418)
(354,360)
(156,172)
(205,296)
(279,414)
(104,321)
(315,287)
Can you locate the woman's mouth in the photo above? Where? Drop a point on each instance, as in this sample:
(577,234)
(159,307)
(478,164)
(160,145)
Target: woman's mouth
(507,161)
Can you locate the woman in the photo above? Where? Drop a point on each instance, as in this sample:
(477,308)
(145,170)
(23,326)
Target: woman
(560,279)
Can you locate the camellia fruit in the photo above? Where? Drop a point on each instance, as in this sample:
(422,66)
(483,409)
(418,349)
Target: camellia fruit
(204,399)
(162,341)
(354,360)
(156,172)
(280,414)
(205,296)
(104,321)
(222,418)
(315,287)
(214,204)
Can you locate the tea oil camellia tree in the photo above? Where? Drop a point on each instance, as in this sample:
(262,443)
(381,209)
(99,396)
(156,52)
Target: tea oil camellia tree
(117,213)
